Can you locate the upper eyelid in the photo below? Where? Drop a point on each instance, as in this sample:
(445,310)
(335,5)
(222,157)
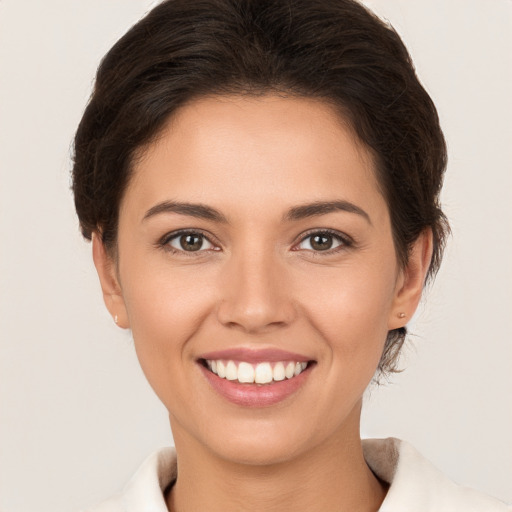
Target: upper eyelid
(328,231)
(333,232)
(174,234)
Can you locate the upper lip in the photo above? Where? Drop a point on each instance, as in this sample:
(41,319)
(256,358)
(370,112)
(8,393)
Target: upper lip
(251,355)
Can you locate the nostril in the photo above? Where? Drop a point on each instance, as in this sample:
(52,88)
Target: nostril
(253,311)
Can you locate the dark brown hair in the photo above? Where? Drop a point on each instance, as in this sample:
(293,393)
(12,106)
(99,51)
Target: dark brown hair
(333,50)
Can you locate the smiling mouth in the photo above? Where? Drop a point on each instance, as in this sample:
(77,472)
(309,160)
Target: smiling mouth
(261,373)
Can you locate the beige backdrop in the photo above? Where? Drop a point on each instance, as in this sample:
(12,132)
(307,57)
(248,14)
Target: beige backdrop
(76,415)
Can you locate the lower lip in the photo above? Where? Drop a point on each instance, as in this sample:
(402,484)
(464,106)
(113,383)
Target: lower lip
(255,395)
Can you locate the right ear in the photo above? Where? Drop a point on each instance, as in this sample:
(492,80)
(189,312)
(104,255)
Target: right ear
(110,286)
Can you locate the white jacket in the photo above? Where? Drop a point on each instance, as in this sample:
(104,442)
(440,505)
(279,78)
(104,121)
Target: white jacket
(415,484)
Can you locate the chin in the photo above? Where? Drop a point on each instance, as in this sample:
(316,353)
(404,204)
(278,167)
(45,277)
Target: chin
(260,451)
(262,442)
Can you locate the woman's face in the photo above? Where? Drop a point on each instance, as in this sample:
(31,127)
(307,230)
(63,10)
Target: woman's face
(253,231)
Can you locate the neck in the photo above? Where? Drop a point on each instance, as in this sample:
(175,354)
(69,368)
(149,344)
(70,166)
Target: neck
(333,476)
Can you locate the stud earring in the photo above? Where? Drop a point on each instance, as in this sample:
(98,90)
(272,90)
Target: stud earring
(401,315)
(115,319)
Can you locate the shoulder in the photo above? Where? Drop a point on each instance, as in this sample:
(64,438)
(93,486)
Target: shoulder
(145,490)
(415,484)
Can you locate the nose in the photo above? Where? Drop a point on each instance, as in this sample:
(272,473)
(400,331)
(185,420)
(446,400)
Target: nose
(256,296)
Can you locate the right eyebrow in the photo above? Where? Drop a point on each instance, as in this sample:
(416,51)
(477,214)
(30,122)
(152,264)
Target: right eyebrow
(197,210)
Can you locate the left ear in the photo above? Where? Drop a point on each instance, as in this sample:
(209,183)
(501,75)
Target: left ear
(410,282)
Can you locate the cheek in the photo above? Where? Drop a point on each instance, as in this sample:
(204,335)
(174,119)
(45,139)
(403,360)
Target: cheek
(164,301)
(352,312)
(165,310)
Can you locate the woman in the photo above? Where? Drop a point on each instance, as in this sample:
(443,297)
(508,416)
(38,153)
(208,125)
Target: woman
(260,181)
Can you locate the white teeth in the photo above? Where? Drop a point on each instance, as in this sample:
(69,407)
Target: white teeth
(261,373)
(231,371)
(278,372)
(221,369)
(245,373)
(290,370)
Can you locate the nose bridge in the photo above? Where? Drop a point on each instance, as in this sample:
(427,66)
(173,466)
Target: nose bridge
(254,289)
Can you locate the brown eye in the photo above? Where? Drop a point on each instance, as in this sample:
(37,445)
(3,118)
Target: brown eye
(190,242)
(321,241)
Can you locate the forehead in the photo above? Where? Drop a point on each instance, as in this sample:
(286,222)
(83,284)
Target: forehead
(253,150)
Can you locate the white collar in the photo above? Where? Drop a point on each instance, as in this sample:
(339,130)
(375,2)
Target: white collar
(415,484)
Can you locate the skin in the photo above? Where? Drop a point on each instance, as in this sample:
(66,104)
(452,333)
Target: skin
(257,282)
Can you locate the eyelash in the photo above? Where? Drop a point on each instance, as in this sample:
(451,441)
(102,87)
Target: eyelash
(344,240)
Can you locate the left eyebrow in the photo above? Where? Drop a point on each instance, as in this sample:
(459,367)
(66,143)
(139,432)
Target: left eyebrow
(322,208)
